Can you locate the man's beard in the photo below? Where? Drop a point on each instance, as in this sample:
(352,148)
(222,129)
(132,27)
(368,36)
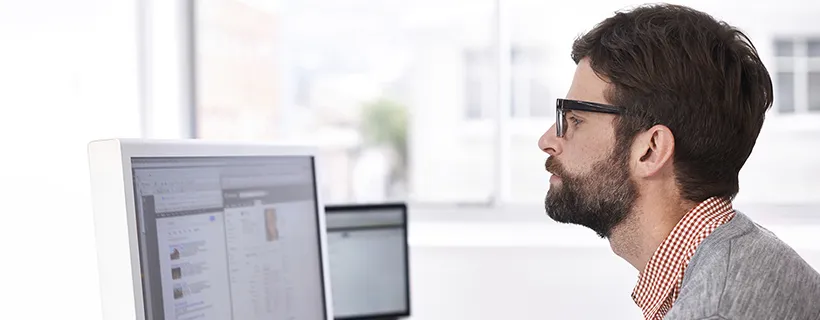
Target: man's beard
(600,199)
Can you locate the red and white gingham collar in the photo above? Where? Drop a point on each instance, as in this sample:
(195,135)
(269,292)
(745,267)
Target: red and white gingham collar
(659,283)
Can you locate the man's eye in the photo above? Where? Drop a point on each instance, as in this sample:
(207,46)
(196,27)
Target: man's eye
(574,120)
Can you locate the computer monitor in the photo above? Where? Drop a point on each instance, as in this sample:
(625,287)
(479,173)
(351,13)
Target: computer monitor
(197,230)
(369,260)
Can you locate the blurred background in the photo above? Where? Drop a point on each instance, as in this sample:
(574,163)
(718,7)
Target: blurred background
(437,103)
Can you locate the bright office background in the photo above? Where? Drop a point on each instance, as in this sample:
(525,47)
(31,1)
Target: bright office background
(438,103)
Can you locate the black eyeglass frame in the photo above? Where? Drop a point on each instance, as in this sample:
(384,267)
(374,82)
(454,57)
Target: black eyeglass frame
(561,105)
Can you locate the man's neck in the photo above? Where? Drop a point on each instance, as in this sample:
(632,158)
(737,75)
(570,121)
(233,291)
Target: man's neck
(638,237)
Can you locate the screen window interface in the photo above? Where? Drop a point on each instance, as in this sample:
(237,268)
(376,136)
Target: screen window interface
(368,265)
(229,238)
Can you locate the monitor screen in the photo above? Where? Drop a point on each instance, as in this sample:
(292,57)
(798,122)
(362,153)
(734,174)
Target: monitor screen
(368,257)
(229,238)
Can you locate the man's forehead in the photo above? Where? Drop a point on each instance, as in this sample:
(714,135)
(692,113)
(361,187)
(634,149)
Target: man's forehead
(587,85)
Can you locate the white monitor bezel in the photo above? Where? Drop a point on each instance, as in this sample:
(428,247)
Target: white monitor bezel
(115,216)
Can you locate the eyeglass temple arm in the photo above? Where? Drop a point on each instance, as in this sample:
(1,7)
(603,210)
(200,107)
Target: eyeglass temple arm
(593,107)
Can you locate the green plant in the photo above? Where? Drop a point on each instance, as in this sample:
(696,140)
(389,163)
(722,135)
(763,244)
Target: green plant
(384,124)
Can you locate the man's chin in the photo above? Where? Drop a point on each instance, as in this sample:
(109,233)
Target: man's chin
(560,217)
(562,213)
(554,211)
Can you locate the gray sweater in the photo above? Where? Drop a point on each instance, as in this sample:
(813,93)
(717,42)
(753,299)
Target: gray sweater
(742,271)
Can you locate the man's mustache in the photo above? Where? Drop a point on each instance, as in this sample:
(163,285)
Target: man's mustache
(553,166)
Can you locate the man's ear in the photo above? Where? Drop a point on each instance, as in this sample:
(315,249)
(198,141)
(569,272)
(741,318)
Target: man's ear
(654,149)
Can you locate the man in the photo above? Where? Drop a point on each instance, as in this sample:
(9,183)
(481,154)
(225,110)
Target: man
(664,109)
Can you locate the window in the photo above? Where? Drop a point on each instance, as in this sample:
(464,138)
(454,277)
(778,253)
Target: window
(529,96)
(376,84)
(814,91)
(814,47)
(474,96)
(797,81)
(784,48)
(785,92)
(479,84)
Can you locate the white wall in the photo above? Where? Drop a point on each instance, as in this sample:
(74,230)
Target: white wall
(69,75)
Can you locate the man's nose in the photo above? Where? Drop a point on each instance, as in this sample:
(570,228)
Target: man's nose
(549,142)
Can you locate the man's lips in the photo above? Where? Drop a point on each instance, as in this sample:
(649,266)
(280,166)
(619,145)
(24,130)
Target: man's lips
(552,167)
(547,168)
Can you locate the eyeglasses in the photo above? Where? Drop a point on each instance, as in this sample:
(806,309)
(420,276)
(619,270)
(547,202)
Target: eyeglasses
(561,105)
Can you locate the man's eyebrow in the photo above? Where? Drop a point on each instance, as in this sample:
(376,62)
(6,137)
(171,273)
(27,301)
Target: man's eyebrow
(577,113)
